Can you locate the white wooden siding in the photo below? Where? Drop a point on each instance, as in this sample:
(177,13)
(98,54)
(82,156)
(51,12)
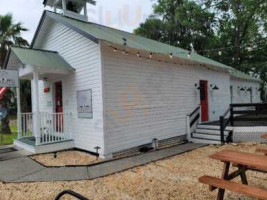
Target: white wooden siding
(244,96)
(146,100)
(83,55)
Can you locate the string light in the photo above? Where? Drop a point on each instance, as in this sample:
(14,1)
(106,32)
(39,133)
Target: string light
(149,57)
(189,54)
(220,53)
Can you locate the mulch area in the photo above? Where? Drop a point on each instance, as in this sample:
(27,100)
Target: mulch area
(66,158)
(175,178)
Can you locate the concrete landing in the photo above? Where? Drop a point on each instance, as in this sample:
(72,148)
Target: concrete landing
(23,169)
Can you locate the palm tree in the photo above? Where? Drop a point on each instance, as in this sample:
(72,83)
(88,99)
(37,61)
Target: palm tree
(10,34)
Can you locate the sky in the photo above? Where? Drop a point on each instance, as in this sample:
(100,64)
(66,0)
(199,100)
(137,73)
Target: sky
(122,14)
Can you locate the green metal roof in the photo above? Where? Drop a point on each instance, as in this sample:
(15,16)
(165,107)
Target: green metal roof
(40,58)
(241,75)
(97,32)
(133,41)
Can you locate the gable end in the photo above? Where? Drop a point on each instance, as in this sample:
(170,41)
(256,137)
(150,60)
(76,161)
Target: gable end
(48,14)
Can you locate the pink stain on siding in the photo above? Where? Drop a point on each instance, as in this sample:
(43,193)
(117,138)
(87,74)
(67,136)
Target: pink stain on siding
(2,91)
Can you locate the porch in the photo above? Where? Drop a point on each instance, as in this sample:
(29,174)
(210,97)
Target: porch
(39,131)
(240,123)
(55,134)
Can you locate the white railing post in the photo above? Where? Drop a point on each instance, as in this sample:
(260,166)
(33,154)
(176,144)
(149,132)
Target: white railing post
(18,112)
(200,114)
(54,128)
(36,114)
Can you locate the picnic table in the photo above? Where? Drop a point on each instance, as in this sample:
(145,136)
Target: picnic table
(264,136)
(243,162)
(264,151)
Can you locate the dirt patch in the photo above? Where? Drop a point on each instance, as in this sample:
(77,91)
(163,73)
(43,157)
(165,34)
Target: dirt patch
(66,158)
(175,178)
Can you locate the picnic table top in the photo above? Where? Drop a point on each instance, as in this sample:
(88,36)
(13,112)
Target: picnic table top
(253,161)
(264,136)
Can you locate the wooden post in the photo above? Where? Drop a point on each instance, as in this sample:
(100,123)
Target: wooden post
(85,10)
(224,176)
(18,112)
(222,129)
(188,128)
(232,115)
(64,6)
(35,105)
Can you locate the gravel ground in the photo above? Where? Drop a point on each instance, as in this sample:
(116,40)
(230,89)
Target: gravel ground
(174,178)
(65,158)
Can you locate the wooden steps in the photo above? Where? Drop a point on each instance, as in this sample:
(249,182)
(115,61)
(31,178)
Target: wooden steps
(208,134)
(250,191)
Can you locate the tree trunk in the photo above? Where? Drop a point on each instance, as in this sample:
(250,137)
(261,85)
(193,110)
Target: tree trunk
(5,126)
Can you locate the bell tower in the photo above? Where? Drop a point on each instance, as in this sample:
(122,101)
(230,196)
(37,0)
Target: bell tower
(76,9)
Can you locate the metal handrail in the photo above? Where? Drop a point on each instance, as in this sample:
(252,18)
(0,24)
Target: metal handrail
(72,193)
(224,124)
(248,104)
(191,114)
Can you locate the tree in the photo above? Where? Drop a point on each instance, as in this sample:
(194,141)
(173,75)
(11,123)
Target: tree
(180,23)
(241,30)
(230,31)
(10,34)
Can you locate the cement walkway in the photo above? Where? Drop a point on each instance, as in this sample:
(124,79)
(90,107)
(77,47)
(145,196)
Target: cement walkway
(15,166)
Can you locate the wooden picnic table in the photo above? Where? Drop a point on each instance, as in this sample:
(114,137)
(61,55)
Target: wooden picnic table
(243,161)
(264,151)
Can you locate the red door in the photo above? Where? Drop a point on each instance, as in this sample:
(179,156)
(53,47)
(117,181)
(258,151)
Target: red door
(59,107)
(204,101)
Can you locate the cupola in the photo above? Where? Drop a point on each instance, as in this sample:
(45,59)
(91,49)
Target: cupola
(76,9)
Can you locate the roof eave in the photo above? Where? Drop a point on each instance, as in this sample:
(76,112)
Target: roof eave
(247,79)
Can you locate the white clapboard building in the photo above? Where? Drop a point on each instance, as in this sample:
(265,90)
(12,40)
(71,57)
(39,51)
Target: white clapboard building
(108,91)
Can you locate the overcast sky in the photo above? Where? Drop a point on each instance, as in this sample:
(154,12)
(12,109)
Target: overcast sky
(121,14)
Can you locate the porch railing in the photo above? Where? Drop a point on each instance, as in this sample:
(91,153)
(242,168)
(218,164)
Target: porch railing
(246,114)
(225,120)
(53,127)
(192,120)
(26,125)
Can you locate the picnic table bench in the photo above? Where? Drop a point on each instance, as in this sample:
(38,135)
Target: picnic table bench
(264,151)
(244,162)
(264,136)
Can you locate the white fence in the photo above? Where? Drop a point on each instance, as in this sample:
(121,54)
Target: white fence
(26,125)
(54,127)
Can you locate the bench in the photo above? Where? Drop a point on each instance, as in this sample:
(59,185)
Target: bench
(264,151)
(250,191)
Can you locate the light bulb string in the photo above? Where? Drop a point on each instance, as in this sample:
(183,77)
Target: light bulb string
(152,55)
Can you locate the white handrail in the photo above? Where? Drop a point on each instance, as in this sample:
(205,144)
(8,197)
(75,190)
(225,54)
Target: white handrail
(26,125)
(53,127)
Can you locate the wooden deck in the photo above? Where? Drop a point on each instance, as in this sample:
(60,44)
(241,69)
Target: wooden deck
(255,120)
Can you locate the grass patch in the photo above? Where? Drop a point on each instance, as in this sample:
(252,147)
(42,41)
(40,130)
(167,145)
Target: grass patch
(8,138)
